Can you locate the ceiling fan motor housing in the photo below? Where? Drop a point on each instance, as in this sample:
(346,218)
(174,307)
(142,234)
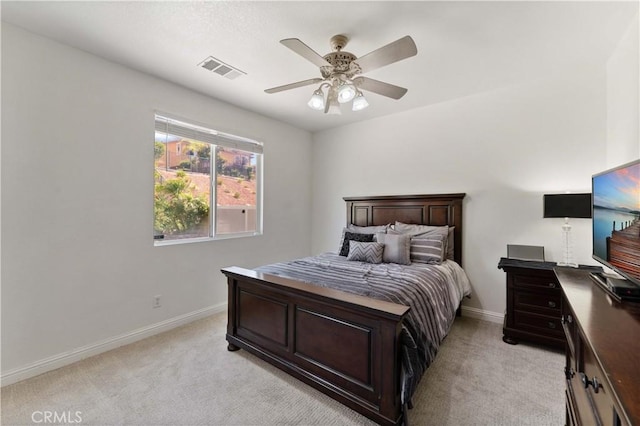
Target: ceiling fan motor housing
(340,63)
(338,42)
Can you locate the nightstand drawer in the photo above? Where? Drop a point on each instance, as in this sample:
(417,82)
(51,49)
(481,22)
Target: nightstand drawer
(536,281)
(545,302)
(544,324)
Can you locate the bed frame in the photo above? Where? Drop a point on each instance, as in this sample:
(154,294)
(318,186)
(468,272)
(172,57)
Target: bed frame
(345,345)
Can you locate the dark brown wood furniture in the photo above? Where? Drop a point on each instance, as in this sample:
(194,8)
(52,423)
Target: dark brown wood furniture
(533,302)
(603,343)
(344,345)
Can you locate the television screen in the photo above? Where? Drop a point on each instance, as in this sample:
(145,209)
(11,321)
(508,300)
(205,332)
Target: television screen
(616,219)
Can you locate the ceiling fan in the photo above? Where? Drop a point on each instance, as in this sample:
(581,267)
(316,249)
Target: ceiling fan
(341,73)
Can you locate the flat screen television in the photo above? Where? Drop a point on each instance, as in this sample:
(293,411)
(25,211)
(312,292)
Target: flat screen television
(616,219)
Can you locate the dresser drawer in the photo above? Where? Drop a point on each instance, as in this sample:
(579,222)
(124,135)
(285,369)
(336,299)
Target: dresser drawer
(545,302)
(594,384)
(538,280)
(570,332)
(581,407)
(543,324)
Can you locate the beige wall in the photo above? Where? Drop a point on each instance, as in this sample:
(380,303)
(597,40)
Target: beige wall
(623,94)
(79,267)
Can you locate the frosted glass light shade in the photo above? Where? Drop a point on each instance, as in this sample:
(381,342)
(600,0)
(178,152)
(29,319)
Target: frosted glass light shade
(359,102)
(334,107)
(346,92)
(317,100)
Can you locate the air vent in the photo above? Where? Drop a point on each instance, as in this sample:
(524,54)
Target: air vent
(219,67)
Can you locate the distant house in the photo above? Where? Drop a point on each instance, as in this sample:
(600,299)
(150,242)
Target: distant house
(232,157)
(179,155)
(178,152)
(175,153)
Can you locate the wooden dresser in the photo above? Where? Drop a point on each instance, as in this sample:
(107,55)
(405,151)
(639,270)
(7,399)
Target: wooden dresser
(603,353)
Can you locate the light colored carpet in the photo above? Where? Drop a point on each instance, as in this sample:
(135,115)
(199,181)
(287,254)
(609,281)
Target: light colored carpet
(187,377)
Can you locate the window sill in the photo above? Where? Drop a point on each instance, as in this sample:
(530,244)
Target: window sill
(160,243)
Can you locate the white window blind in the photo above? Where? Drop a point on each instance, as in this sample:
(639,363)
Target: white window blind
(175,127)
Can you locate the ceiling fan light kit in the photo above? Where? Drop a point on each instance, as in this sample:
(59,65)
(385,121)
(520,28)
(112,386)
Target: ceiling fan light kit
(346,92)
(333,107)
(317,100)
(339,70)
(359,102)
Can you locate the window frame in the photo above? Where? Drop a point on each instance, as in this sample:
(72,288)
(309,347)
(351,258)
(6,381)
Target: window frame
(183,128)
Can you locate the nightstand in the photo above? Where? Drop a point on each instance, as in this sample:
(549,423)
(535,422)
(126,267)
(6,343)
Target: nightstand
(534,302)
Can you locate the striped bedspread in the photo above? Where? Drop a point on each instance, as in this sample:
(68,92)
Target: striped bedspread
(433,292)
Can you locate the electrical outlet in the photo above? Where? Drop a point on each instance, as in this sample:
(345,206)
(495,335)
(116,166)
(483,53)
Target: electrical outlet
(156,301)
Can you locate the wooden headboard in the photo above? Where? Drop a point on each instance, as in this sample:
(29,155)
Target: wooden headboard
(430,209)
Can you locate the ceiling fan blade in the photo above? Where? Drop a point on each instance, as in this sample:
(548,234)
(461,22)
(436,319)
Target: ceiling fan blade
(294,85)
(305,51)
(393,52)
(380,87)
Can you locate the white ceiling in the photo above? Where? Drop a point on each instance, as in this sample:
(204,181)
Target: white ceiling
(463,47)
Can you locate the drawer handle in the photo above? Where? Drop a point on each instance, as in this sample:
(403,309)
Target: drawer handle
(566,319)
(551,324)
(593,382)
(552,285)
(569,373)
(552,304)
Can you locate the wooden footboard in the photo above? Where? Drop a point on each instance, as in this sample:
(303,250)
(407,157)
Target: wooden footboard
(344,345)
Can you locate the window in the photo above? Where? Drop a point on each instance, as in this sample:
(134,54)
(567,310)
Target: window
(207,184)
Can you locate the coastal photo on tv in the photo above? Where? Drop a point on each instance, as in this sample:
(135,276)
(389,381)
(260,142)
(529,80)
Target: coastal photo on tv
(616,219)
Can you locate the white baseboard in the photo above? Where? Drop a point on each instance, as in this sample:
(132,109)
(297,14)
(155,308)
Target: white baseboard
(468,311)
(66,358)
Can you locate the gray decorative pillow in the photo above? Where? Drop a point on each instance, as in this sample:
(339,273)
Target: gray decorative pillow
(351,236)
(365,252)
(435,231)
(396,247)
(367,229)
(450,244)
(427,248)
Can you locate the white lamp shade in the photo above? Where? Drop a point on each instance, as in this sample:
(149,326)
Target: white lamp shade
(334,107)
(317,100)
(346,92)
(359,102)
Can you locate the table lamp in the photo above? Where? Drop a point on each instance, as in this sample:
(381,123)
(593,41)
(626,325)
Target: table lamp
(567,206)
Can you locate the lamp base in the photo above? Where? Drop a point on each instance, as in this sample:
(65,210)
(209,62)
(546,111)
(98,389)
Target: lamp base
(567,246)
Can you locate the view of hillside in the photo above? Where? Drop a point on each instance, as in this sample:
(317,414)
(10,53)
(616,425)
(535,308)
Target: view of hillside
(183,198)
(232,191)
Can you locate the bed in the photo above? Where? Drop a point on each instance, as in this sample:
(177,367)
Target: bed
(349,346)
